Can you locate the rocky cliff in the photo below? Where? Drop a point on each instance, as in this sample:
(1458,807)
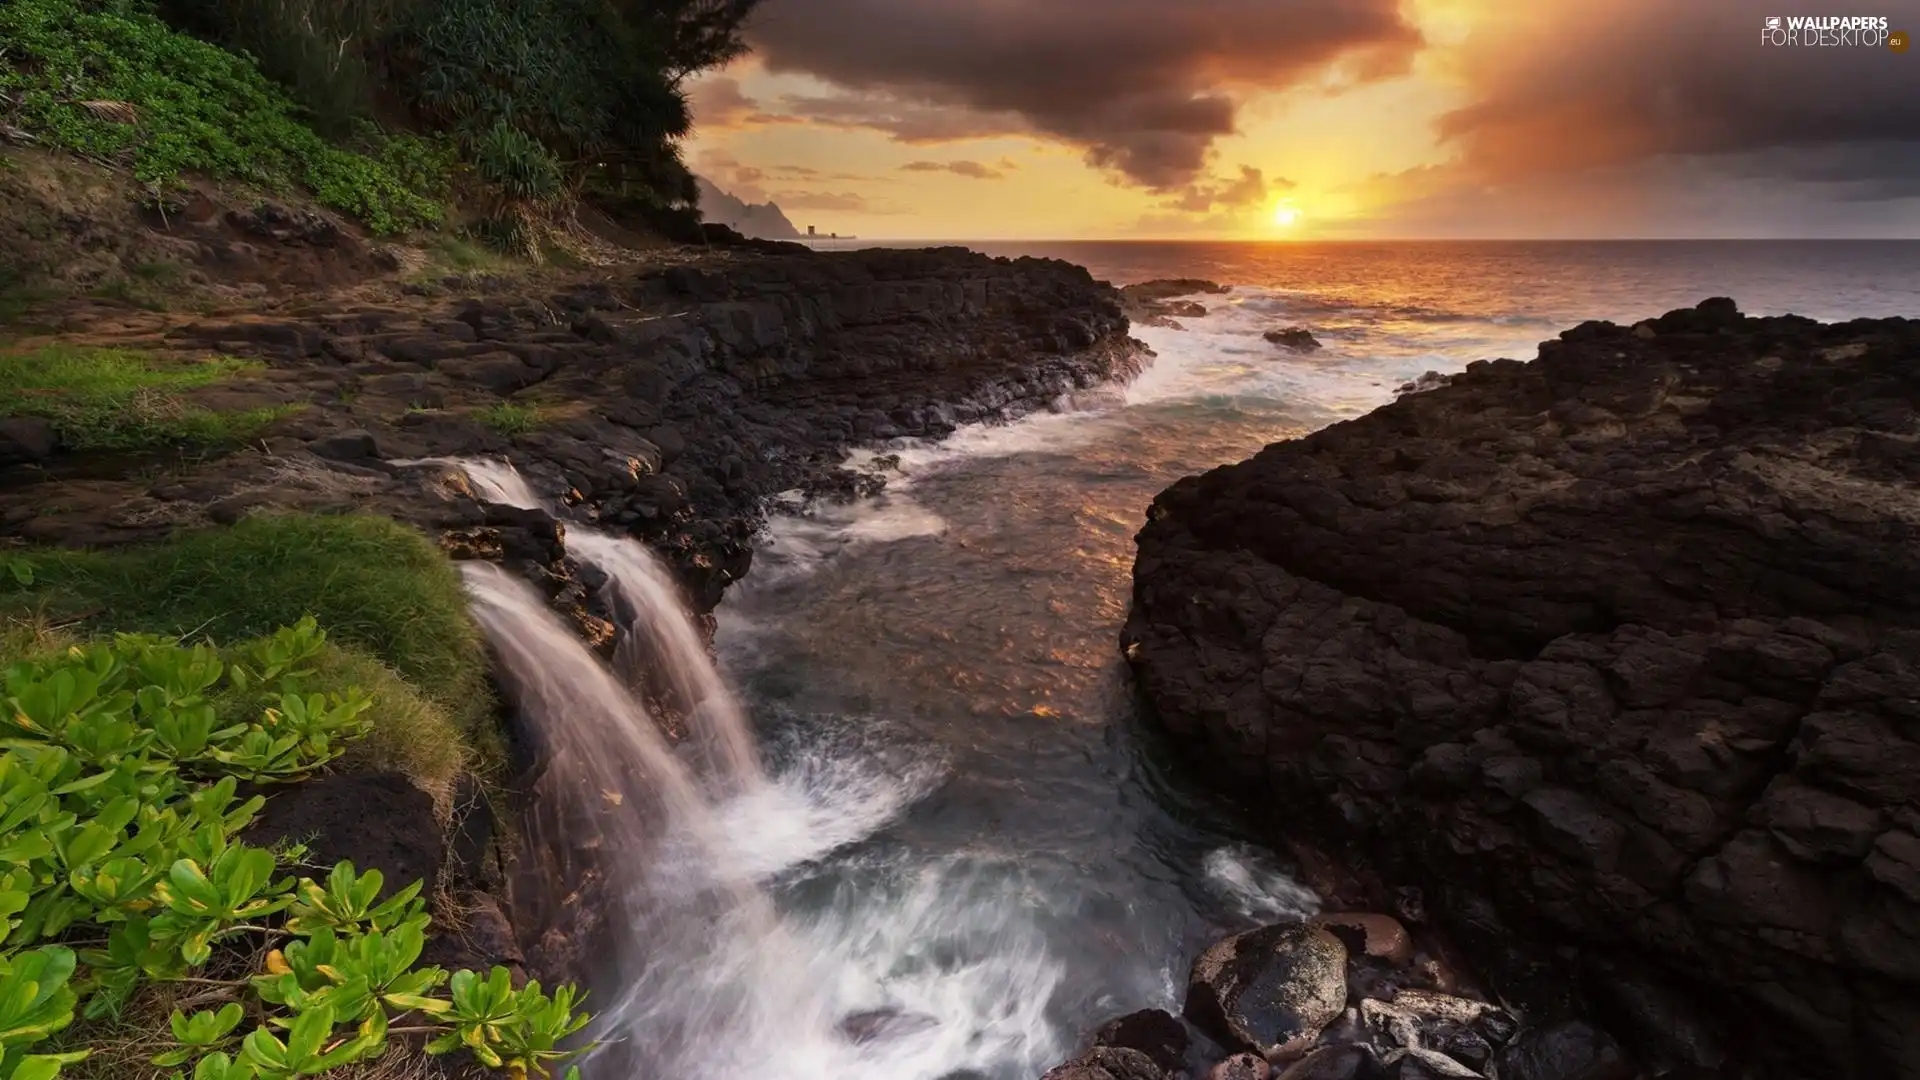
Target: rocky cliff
(668,405)
(1616,653)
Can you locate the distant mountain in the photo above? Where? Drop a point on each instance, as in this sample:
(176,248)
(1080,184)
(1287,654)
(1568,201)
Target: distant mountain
(763,221)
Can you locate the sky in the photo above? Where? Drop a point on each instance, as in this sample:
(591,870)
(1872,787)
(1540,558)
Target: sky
(1330,119)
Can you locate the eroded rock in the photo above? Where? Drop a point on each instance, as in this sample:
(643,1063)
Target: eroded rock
(1615,650)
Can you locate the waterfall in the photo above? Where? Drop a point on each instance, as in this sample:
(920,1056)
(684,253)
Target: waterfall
(661,633)
(657,866)
(491,481)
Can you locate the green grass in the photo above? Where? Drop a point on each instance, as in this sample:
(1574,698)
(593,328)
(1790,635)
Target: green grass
(117,399)
(509,418)
(374,585)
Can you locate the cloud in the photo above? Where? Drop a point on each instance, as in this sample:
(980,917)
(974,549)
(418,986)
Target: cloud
(970,169)
(1144,87)
(1562,85)
(719,104)
(1250,188)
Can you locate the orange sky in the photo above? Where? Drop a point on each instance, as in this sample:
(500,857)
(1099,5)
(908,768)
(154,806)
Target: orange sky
(995,119)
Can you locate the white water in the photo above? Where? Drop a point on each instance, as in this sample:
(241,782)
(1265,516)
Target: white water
(703,978)
(661,636)
(491,481)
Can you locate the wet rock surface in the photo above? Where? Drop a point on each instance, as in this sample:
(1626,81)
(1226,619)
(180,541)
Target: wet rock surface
(1297,338)
(1154,303)
(1290,1000)
(1616,653)
(1268,988)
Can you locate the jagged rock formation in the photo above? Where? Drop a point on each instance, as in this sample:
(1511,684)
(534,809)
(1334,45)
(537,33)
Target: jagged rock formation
(1618,650)
(759,221)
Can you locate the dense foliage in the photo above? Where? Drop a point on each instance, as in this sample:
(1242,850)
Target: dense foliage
(545,99)
(121,868)
(108,79)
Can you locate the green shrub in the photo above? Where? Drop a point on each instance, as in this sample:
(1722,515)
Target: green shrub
(372,583)
(196,108)
(516,164)
(509,418)
(120,831)
(118,399)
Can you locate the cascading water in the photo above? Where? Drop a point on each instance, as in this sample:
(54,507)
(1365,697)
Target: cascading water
(491,481)
(671,860)
(662,637)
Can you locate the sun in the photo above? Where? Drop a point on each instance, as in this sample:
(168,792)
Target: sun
(1285,215)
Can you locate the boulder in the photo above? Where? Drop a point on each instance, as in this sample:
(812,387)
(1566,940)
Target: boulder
(1153,1032)
(1268,988)
(1615,651)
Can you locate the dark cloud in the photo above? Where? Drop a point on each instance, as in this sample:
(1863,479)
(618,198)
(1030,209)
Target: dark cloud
(970,169)
(1144,85)
(718,102)
(1579,85)
(905,120)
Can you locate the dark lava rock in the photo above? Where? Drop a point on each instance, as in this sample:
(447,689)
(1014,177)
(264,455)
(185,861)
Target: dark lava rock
(26,439)
(1151,302)
(1299,339)
(378,821)
(1614,652)
(1564,1051)
(356,445)
(1268,987)
(1430,380)
(1153,1032)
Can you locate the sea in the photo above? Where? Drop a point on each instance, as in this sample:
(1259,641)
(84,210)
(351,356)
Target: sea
(997,852)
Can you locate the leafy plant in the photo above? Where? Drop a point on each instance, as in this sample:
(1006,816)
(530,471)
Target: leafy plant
(195,108)
(119,824)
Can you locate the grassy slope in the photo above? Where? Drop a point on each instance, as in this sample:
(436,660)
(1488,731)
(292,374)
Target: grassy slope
(391,604)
